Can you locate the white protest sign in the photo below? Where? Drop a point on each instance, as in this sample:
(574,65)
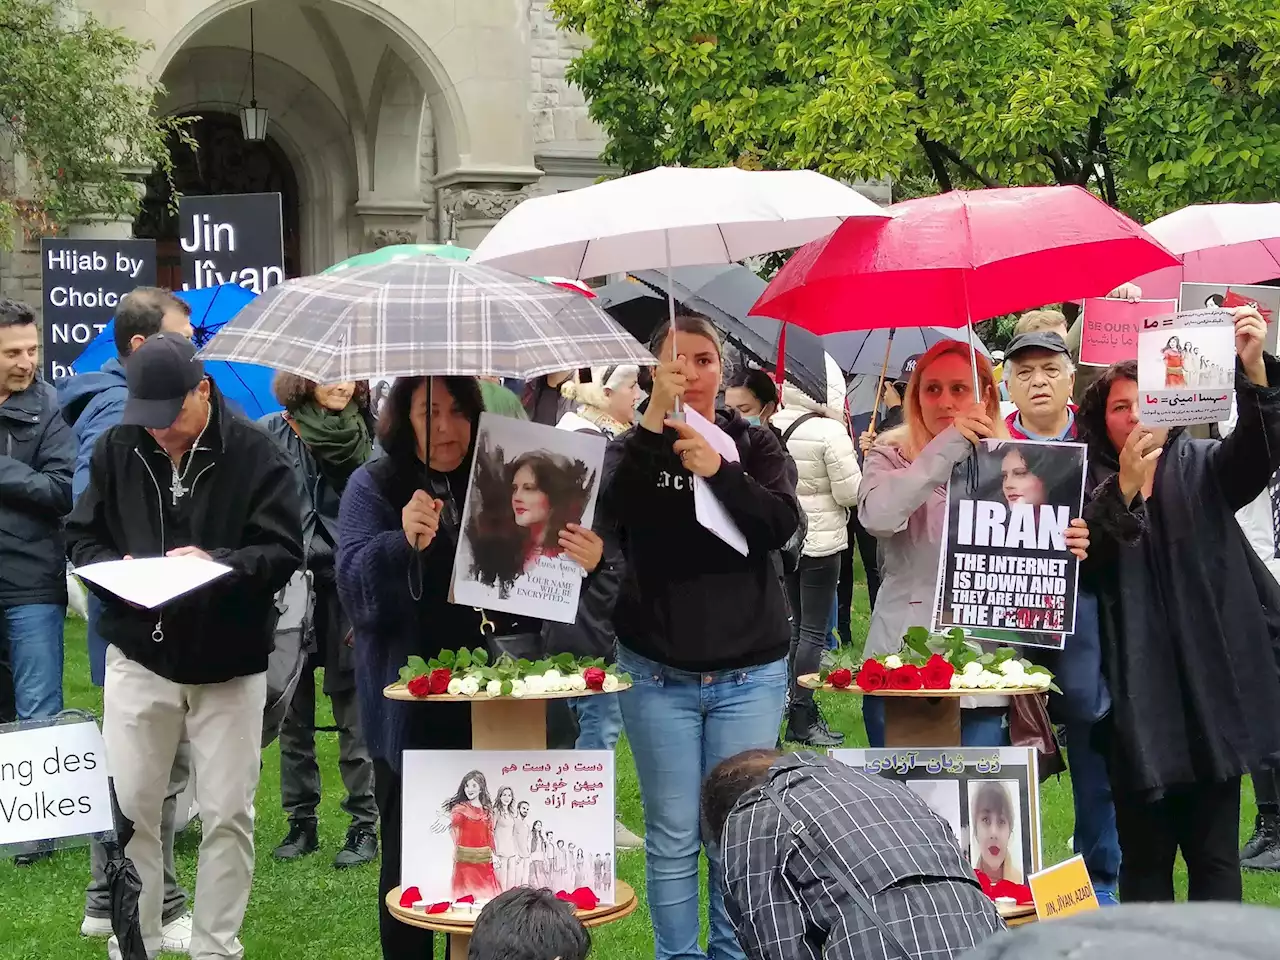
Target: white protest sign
(53,783)
(707,508)
(1186,368)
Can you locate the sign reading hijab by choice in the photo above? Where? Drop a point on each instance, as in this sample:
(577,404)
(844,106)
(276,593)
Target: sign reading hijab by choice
(233,238)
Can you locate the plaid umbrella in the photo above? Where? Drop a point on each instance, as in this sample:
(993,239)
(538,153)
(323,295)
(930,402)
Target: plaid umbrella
(423,316)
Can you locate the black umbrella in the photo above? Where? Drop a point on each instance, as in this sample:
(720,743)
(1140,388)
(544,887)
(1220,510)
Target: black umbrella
(724,293)
(125,887)
(635,305)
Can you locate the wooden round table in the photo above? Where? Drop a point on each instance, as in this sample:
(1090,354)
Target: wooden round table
(919,718)
(457,925)
(1015,915)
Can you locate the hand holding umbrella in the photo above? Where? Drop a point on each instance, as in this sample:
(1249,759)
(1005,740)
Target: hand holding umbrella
(670,380)
(420,519)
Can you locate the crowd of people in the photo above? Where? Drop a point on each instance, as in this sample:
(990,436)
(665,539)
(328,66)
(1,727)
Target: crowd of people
(1169,692)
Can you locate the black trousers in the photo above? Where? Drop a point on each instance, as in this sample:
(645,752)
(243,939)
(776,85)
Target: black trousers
(1203,822)
(810,589)
(866,545)
(399,940)
(1266,786)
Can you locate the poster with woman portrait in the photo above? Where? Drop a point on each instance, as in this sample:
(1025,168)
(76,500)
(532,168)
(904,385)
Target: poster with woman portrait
(1006,574)
(528,483)
(478,822)
(1186,367)
(989,796)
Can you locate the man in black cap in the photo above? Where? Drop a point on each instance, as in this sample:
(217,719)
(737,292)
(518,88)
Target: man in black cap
(182,475)
(1040,376)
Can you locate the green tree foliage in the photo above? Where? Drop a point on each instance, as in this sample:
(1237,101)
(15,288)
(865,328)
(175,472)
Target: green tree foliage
(73,118)
(1168,99)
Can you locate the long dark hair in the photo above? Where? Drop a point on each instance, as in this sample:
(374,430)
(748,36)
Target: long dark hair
(1091,417)
(500,548)
(484,799)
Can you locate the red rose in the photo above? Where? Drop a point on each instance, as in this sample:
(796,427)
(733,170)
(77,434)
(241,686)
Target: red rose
(411,896)
(439,680)
(906,677)
(937,674)
(420,686)
(840,678)
(594,677)
(872,676)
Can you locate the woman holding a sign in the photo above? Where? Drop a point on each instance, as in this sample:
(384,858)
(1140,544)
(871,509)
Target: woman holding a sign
(1190,622)
(701,618)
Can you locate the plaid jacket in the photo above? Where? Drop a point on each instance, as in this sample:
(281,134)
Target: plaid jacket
(786,905)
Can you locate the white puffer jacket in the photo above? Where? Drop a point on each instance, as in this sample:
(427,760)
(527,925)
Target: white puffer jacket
(825,460)
(1255,519)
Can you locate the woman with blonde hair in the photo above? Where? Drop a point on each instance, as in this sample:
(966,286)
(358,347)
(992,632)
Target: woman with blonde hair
(902,503)
(606,404)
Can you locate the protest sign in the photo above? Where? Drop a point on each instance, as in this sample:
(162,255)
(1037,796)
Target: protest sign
(989,796)
(1006,573)
(53,784)
(1207,296)
(1186,367)
(81,283)
(232,238)
(1063,890)
(486,821)
(528,481)
(1110,331)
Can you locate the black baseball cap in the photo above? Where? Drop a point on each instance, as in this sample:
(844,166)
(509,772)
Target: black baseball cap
(1040,340)
(908,368)
(160,374)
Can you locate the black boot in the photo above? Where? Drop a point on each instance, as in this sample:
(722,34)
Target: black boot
(361,848)
(302,840)
(806,726)
(1266,831)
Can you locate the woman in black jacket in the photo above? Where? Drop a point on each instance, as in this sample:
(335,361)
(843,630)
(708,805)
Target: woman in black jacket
(1189,621)
(702,625)
(325,430)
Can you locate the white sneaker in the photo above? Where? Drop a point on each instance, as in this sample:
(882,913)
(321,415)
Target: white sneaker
(96,927)
(624,839)
(176,936)
(113,950)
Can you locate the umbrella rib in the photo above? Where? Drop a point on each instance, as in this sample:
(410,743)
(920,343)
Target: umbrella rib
(724,242)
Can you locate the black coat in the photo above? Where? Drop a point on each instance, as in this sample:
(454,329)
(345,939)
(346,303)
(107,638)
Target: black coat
(37,459)
(1189,616)
(241,508)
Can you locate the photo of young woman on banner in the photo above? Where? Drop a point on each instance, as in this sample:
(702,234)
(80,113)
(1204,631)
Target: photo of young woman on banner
(1007,573)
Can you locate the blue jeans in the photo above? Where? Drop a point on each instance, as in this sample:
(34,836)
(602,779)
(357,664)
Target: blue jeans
(97,645)
(1095,837)
(599,721)
(35,652)
(680,725)
(979,727)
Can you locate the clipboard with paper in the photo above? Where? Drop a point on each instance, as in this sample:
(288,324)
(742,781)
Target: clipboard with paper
(707,508)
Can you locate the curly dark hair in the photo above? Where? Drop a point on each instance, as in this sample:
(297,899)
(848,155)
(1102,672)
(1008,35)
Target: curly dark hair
(292,391)
(1091,417)
(500,547)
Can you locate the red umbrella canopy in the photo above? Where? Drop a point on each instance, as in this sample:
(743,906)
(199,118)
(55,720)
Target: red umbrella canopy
(961,256)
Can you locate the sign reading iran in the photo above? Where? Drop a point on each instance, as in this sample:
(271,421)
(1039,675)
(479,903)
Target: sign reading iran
(82,282)
(233,238)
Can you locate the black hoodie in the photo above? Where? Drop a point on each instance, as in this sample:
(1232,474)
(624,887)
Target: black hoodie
(690,600)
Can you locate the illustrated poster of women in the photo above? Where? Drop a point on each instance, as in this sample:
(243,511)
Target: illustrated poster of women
(529,483)
(468,815)
(1174,375)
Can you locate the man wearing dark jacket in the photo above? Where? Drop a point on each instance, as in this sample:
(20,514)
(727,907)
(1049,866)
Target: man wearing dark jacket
(182,475)
(37,452)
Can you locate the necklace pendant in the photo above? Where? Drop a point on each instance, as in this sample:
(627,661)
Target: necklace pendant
(177,490)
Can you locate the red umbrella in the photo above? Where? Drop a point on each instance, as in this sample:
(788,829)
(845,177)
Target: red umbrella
(961,256)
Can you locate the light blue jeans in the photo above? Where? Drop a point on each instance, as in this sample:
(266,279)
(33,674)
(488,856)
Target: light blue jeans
(599,722)
(680,725)
(35,653)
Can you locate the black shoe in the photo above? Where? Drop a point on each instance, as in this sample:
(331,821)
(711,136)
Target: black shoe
(806,726)
(1266,833)
(361,848)
(302,840)
(31,859)
(1266,859)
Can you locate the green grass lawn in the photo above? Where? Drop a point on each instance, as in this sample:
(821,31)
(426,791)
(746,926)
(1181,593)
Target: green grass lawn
(306,909)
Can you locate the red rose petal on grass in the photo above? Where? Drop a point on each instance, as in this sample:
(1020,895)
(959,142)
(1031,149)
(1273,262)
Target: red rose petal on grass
(420,686)
(937,674)
(594,677)
(905,677)
(439,680)
(840,678)
(409,897)
(467,899)
(872,676)
(441,907)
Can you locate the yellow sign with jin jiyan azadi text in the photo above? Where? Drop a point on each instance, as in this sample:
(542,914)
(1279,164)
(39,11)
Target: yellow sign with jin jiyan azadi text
(1063,890)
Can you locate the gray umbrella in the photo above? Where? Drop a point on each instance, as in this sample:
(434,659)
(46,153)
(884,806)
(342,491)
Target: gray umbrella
(420,317)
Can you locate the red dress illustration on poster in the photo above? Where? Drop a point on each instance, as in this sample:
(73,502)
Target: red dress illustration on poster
(473,853)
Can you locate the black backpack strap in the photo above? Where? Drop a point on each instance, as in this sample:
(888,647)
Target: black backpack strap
(799,420)
(837,871)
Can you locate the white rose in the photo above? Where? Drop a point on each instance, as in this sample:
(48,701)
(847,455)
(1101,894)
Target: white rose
(577,682)
(1011,683)
(988,680)
(534,685)
(611,683)
(892,662)
(455,686)
(519,688)
(972,682)
(493,688)
(470,687)
(1012,668)
(957,681)
(551,676)
(1040,681)
(972,669)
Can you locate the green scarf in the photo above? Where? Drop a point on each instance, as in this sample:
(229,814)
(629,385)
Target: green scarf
(340,441)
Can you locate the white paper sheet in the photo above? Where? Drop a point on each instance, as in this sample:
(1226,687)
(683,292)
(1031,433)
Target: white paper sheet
(707,508)
(152,581)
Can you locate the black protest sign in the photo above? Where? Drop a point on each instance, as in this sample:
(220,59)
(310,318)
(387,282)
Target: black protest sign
(81,283)
(232,238)
(1005,565)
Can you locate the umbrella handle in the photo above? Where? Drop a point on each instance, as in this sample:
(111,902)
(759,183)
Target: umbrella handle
(677,412)
(884,368)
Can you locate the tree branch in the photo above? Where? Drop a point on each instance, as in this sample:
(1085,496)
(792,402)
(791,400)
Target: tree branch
(936,161)
(954,158)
